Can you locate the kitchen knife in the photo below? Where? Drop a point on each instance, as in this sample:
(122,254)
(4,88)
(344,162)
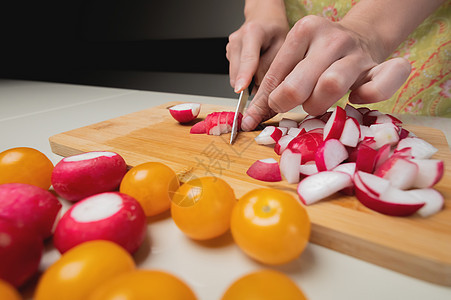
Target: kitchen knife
(242,100)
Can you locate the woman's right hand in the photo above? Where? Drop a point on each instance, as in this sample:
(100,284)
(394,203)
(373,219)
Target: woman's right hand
(252,48)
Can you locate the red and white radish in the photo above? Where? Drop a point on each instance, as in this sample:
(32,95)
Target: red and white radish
(269,136)
(185,112)
(420,148)
(307,144)
(288,123)
(383,153)
(79,176)
(199,128)
(390,200)
(386,133)
(289,166)
(434,201)
(282,144)
(374,184)
(311,124)
(294,131)
(366,158)
(20,253)
(399,171)
(265,170)
(29,207)
(335,124)
(308,168)
(353,112)
(350,135)
(108,216)
(318,186)
(430,171)
(217,123)
(330,154)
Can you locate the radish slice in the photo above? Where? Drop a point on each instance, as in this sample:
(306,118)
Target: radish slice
(420,148)
(434,201)
(351,133)
(330,154)
(318,186)
(293,131)
(109,216)
(289,165)
(311,124)
(386,133)
(288,123)
(335,124)
(430,171)
(353,112)
(282,144)
(268,136)
(382,155)
(308,168)
(375,184)
(198,128)
(348,168)
(265,170)
(399,171)
(366,158)
(185,112)
(307,144)
(284,130)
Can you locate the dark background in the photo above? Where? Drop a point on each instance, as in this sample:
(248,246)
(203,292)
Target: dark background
(87,41)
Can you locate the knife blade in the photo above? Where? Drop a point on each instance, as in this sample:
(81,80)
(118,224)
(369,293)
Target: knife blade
(242,100)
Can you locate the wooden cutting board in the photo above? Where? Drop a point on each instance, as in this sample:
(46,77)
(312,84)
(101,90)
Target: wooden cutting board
(411,245)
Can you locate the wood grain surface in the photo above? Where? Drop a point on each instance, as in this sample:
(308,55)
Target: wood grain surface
(415,246)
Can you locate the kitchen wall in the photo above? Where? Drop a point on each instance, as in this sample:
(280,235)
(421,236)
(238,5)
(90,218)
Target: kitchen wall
(123,43)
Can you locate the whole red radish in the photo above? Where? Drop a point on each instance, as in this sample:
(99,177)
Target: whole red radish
(108,216)
(185,112)
(20,253)
(79,176)
(30,207)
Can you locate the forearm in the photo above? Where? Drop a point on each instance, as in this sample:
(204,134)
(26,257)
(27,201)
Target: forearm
(387,23)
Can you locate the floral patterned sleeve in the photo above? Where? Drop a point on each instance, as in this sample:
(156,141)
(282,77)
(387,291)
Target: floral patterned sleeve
(427,91)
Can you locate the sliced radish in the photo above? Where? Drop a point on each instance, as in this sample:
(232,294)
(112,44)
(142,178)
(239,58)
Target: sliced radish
(403,133)
(375,184)
(325,116)
(370,117)
(265,170)
(430,171)
(284,130)
(365,132)
(318,186)
(335,124)
(289,166)
(109,216)
(366,158)
(185,112)
(434,201)
(294,131)
(353,112)
(269,135)
(391,201)
(309,168)
(212,123)
(330,154)
(288,123)
(311,124)
(404,153)
(351,132)
(420,148)
(386,133)
(199,128)
(79,176)
(282,144)
(307,144)
(382,155)
(399,171)
(349,168)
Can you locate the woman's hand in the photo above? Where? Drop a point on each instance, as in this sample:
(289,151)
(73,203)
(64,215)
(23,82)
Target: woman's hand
(319,62)
(252,48)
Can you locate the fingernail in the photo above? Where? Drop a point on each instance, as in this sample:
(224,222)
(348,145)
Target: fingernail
(239,85)
(248,123)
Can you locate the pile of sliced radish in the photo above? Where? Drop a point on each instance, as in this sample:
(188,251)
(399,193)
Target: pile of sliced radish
(354,151)
(216,123)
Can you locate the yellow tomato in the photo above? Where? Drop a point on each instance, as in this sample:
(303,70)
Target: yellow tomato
(25,165)
(264,285)
(8,292)
(270,226)
(80,270)
(202,207)
(152,184)
(144,284)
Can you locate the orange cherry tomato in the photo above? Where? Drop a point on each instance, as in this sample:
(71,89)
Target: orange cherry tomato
(152,184)
(81,269)
(270,226)
(202,207)
(25,165)
(264,285)
(144,284)
(8,292)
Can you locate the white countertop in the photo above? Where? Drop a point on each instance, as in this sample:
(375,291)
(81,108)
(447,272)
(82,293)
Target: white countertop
(31,112)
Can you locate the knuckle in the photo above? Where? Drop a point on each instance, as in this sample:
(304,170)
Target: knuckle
(333,83)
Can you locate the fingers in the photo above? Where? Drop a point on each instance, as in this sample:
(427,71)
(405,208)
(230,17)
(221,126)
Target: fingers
(382,82)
